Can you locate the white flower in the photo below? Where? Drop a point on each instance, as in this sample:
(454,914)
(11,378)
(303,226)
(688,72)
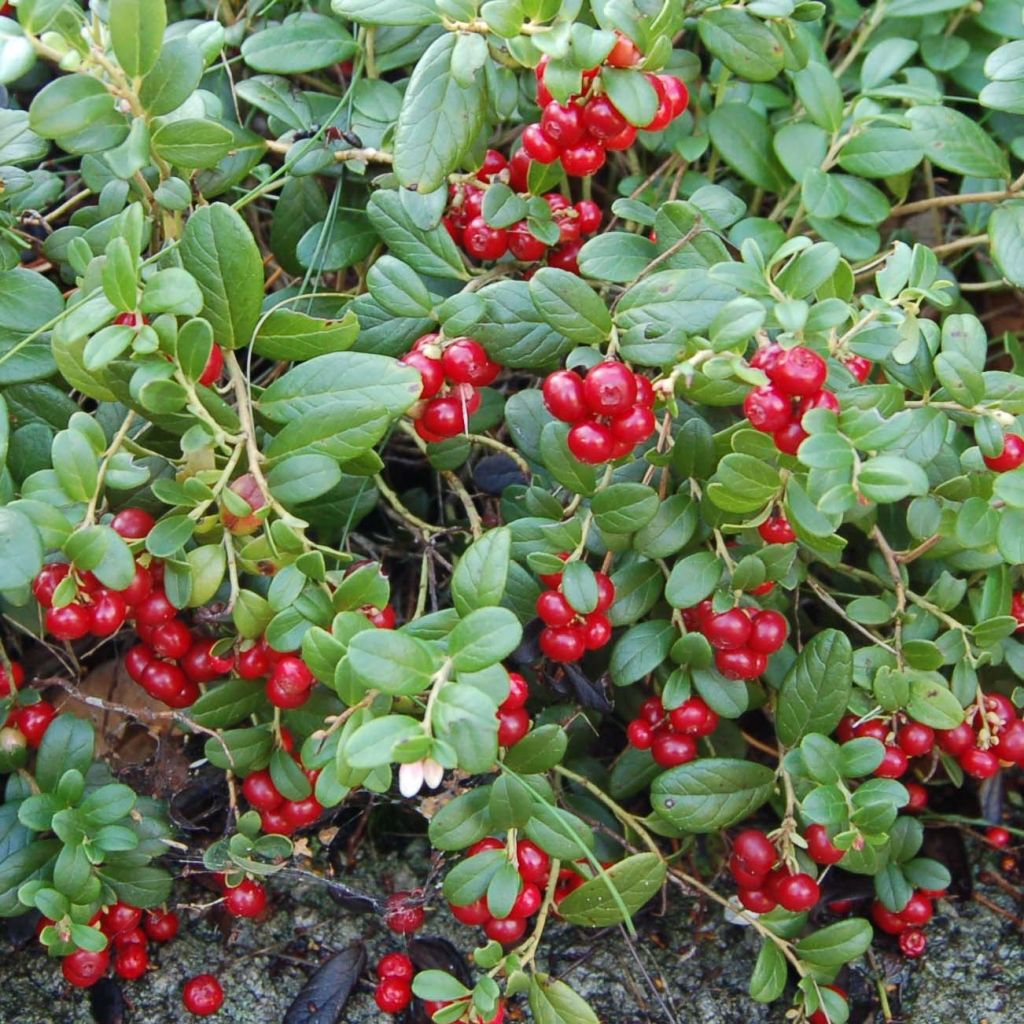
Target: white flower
(412,776)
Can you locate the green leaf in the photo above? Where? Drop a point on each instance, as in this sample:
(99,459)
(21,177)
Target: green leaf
(100,550)
(228,704)
(373,743)
(623,508)
(1006,237)
(137,884)
(635,879)
(693,578)
(816,689)
(21,550)
(640,650)
(838,944)
(67,744)
(392,662)
(570,306)
(957,143)
(430,250)
(218,250)
(288,335)
(744,140)
(770,974)
(78,112)
(439,118)
(137,32)
(462,821)
(616,256)
(932,703)
(174,77)
(482,572)
(889,478)
(631,94)
(711,794)
(301,478)
(538,751)
(881,153)
(18,867)
(192,143)
(483,638)
(579,477)
(554,1002)
(308,43)
(744,44)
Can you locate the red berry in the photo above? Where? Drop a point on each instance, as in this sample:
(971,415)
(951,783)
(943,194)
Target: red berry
(50,576)
(444,417)
(518,692)
(475,913)
(799,372)
(663,115)
(564,396)
(553,609)
(588,216)
(505,930)
(822,400)
(597,631)
(119,917)
(609,389)
(694,717)
(1009,745)
(918,797)
(1010,457)
(918,910)
(634,426)
(213,368)
(247,899)
(757,901)
(430,370)
(602,118)
(136,660)
(583,159)
(913,942)
(562,643)
(527,902)
(201,665)
(797,892)
(820,847)
(165,682)
(639,734)
(518,170)
(301,813)
(131,319)
(403,916)
(876,729)
(83,968)
(622,141)
(562,125)
(512,726)
(859,366)
(1002,707)
(554,579)
(160,925)
(131,961)
(997,836)
(728,631)
(768,409)
(538,146)
(483,241)
(139,588)
(202,995)
(979,764)
(624,53)
(894,764)
(533,863)
(155,609)
(652,711)
(755,849)
(776,530)
(889,922)
(253,663)
(523,244)
(392,995)
(494,163)
(790,437)
(564,257)
(671,749)
(292,675)
(821,1016)
(33,720)
(171,639)
(677,93)
(591,442)
(68,623)
(768,632)
(746,876)
(955,741)
(132,523)
(466,362)
(916,739)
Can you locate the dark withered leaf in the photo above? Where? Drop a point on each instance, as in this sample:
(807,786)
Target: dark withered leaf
(432,953)
(106,1001)
(493,473)
(322,999)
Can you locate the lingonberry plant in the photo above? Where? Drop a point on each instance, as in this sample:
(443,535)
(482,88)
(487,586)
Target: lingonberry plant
(584,410)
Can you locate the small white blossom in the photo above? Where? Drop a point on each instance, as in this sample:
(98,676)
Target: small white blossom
(411,777)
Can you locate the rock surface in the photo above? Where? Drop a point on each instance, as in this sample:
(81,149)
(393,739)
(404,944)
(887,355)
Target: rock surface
(689,967)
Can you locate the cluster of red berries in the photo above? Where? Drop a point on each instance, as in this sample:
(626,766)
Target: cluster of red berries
(764,883)
(579,133)
(28,722)
(451,372)
(611,410)
(671,736)
(1010,457)
(909,923)
(980,744)
(797,378)
(394,985)
(468,228)
(742,638)
(534,867)
(277,815)
(568,634)
(127,931)
(214,364)
(513,718)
